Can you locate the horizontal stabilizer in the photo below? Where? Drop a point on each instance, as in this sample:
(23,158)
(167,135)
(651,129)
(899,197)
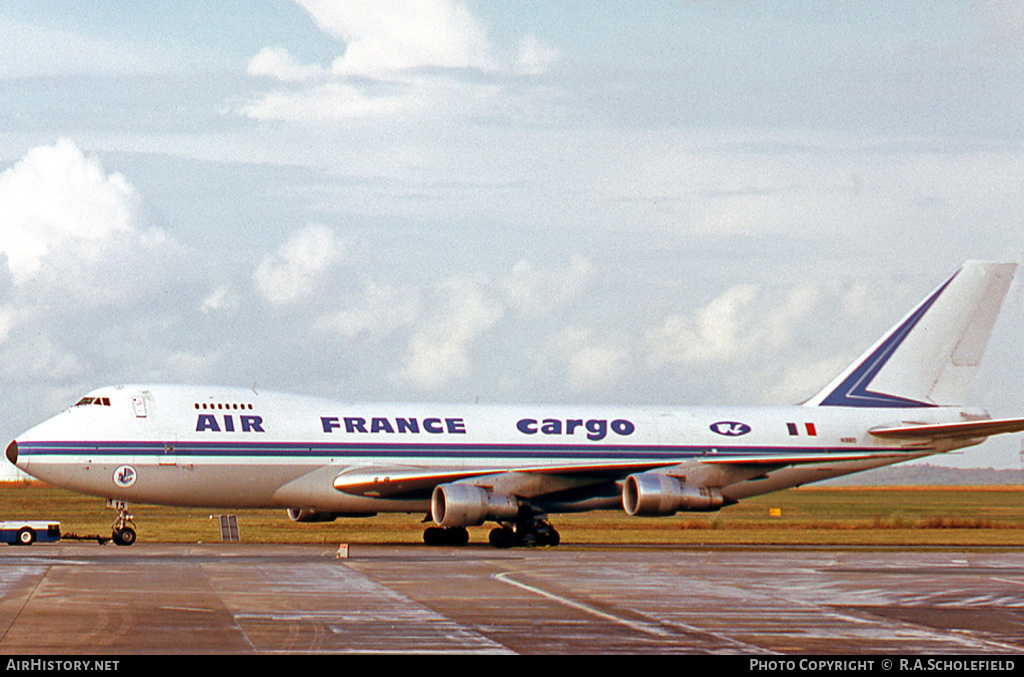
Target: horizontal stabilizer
(967,429)
(780,460)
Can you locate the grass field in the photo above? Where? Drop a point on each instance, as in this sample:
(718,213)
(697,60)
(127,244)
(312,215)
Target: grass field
(910,516)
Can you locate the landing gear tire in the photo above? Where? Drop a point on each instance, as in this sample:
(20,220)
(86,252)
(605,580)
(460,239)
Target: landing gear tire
(446,536)
(122,531)
(502,537)
(26,537)
(546,535)
(527,532)
(124,536)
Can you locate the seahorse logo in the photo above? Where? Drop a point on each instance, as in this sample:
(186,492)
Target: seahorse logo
(730,428)
(125,476)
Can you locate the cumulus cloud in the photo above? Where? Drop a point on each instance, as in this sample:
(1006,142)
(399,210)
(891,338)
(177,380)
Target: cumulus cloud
(334,100)
(73,237)
(713,333)
(278,64)
(379,311)
(290,273)
(87,286)
(217,300)
(447,325)
(537,292)
(44,359)
(57,205)
(801,379)
(535,57)
(739,324)
(389,37)
(398,57)
(6,323)
(439,348)
(591,363)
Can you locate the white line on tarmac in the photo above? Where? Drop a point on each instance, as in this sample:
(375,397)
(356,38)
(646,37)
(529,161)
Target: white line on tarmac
(640,626)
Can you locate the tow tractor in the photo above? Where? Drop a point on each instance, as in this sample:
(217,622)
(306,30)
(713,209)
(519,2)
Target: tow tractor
(27,532)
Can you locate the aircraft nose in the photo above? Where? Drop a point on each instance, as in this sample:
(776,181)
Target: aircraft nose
(12,452)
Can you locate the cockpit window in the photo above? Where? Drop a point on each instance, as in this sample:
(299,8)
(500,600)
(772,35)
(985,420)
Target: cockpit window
(98,401)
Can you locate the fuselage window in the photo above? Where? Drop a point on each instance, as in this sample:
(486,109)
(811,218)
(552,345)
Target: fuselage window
(204,405)
(100,401)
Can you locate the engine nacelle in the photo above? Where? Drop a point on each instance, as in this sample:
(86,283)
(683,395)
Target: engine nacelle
(467,505)
(307,515)
(655,494)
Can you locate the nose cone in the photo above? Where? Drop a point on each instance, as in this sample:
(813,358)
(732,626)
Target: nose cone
(12,452)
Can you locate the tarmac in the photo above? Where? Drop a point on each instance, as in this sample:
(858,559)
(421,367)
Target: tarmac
(90,599)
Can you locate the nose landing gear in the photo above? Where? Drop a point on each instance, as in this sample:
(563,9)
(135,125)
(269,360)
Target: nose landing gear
(123,529)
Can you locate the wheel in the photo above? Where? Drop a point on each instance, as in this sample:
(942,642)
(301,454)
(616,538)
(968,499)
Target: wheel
(446,536)
(433,536)
(26,536)
(456,536)
(546,535)
(124,536)
(500,537)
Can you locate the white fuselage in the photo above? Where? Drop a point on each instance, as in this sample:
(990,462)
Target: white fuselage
(225,447)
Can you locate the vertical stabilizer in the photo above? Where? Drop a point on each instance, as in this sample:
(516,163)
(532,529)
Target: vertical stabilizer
(931,357)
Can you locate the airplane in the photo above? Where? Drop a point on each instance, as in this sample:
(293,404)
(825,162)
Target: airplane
(462,465)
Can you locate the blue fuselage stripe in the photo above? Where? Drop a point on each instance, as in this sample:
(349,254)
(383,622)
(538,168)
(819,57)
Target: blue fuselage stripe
(284,450)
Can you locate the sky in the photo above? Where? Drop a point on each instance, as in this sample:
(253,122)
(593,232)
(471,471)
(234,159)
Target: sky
(650,203)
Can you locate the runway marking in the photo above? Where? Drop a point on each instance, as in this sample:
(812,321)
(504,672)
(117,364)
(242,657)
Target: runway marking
(639,626)
(355,614)
(188,608)
(636,625)
(9,580)
(1007,580)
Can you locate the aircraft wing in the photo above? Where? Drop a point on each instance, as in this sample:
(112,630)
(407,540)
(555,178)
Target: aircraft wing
(403,481)
(384,482)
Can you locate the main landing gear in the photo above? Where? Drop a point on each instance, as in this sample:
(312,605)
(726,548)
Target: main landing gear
(528,530)
(446,536)
(532,531)
(123,529)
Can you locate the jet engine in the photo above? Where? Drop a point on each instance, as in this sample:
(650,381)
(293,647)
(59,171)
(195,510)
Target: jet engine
(656,494)
(307,515)
(467,505)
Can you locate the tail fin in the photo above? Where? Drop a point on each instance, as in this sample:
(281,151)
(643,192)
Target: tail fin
(931,357)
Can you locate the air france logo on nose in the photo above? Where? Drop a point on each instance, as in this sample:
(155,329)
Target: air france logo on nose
(730,428)
(125,476)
